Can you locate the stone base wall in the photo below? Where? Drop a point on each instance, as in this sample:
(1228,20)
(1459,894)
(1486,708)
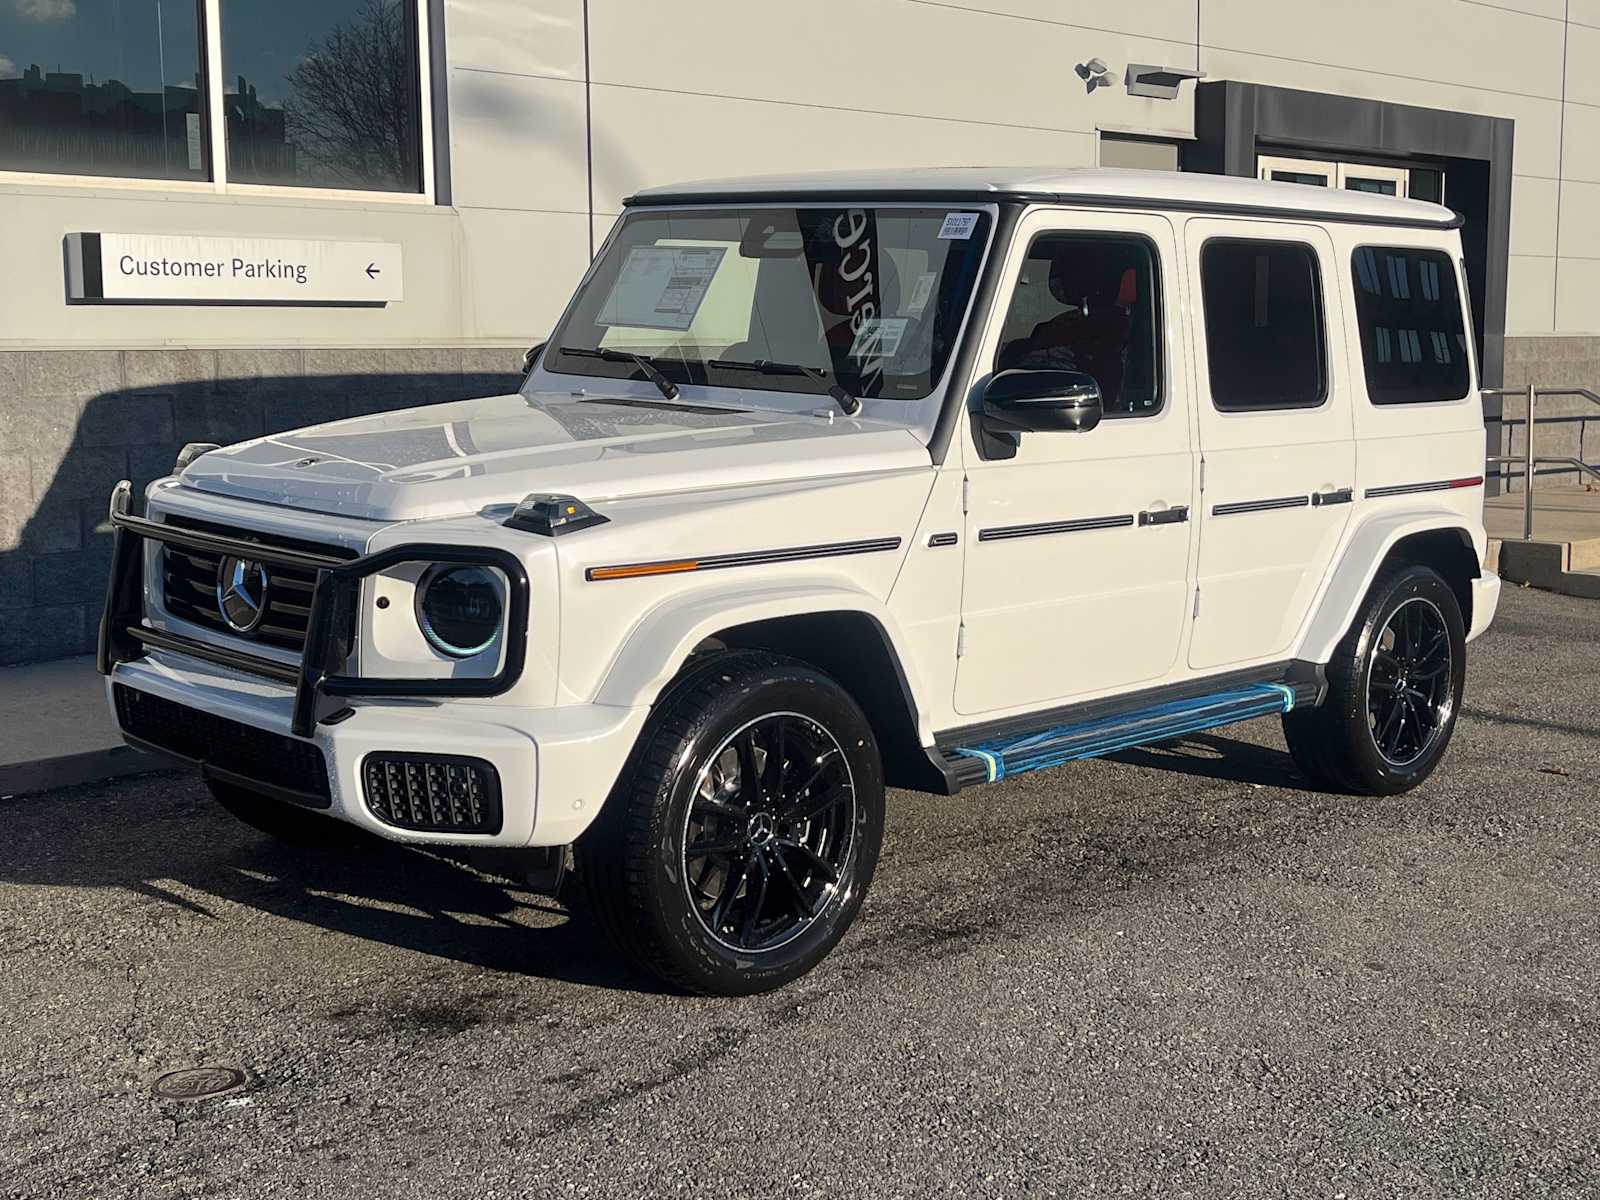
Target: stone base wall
(1552,362)
(74,422)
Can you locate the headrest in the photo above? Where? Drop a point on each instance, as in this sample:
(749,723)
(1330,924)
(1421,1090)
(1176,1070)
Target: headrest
(1086,272)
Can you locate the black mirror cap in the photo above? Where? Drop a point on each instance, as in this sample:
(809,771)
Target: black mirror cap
(532,357)
(1038,401)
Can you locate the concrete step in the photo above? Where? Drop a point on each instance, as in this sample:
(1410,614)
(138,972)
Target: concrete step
(1570,568)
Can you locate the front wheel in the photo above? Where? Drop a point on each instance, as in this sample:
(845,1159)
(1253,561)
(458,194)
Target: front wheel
(740,843)
(1394,690)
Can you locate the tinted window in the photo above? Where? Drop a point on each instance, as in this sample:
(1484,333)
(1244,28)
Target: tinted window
(102,87)
(322,93)
(1090,304)
(1263,324)
(1413,340)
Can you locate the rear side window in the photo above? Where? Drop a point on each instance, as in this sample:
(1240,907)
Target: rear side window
(1263,314)
(1412,337)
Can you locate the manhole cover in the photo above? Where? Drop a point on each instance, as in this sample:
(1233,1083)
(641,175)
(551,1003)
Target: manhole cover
(198,1083)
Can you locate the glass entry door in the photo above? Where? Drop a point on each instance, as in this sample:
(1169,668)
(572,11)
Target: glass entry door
(1355,177)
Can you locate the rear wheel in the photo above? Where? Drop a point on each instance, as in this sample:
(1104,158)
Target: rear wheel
(740,843)
(288,823)
(1394,690)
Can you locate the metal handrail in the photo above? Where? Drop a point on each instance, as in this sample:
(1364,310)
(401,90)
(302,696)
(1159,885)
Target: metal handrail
(1529,460)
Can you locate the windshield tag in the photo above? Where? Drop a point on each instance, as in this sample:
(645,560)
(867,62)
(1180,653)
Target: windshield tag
(878,338)
(958,226)
(920,292)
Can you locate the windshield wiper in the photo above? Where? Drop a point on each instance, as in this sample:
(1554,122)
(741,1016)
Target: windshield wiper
(843,398)
(643,361)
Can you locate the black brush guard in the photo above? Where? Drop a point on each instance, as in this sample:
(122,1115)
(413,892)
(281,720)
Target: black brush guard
(317,682)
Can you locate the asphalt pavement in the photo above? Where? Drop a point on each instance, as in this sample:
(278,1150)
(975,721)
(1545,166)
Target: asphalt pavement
(1174,973)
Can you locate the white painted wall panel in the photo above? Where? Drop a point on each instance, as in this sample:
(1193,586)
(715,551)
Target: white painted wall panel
(1580,156)
(518,37)
(1530,285)
(643,138)
(897,58)
(1533,215)
(1443,41)
(518,142)
(519,268)
(1170,20)
(1578,297)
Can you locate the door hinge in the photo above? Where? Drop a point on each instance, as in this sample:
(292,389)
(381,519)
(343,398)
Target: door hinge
(966,489)
(1202,475)
(1197,602)
(961,640)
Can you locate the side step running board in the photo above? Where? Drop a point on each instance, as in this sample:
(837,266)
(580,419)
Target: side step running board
(988,760)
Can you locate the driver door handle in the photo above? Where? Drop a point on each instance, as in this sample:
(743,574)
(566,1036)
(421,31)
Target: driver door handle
(1340,496)
(1165,516)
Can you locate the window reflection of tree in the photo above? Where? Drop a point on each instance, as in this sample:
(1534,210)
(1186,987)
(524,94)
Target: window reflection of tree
(352,104)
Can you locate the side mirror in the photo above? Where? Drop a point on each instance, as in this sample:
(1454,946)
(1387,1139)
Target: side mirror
(1040,401)
(531,357)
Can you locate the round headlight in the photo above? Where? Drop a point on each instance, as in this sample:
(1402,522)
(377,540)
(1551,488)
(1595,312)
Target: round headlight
(459,609)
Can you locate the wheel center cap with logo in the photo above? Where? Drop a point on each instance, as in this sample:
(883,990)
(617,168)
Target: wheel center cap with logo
(241,593)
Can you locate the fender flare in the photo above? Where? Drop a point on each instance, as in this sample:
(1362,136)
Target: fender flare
(662,641)
(1364,553)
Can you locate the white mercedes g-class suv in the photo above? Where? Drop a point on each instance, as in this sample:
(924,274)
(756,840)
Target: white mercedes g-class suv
(829,483)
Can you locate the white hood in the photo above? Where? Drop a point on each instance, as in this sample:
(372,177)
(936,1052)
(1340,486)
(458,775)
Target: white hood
(458,458)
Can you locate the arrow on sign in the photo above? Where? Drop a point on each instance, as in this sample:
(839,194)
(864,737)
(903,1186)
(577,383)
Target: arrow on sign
(372,270)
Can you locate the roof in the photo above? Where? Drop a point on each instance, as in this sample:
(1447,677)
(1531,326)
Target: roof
(1084,186)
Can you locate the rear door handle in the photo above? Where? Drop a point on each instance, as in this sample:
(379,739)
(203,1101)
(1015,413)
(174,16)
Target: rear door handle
(1323,499)
(1165,516)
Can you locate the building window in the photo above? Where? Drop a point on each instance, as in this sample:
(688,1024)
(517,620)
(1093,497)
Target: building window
(322,93)
(102,87)
(1263,316)
(1413,338)
(312,93)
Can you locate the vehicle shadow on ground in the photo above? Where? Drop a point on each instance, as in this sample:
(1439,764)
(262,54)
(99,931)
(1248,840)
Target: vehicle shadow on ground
(1209,756)
(165,839)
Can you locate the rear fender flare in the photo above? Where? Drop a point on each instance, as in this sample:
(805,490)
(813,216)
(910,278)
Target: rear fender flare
(1364,554)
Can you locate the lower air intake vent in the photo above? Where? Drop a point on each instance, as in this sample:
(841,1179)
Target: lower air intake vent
(253,755)
(432,793)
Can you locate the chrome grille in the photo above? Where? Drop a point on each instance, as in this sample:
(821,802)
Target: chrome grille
(189,586)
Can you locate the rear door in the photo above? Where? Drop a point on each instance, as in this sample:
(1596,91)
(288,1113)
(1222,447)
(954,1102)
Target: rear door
(1276,438)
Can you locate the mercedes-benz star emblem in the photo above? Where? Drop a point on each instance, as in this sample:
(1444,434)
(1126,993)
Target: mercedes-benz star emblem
(241,593)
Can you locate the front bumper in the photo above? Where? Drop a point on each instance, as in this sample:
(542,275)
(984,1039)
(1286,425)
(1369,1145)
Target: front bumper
(555,765)
(1485,600)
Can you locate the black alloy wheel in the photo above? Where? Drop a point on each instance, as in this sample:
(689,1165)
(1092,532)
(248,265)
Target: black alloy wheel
(768,831)
(739,843)
(1409,695)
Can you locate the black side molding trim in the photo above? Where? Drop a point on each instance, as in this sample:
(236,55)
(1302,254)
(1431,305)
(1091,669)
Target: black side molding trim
(748,558)
(1083,524)
(1236,507)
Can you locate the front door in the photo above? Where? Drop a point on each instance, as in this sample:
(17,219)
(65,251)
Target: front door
(1277,455)
(1077,547)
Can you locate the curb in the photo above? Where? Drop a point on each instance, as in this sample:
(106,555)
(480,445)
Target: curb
(91,766)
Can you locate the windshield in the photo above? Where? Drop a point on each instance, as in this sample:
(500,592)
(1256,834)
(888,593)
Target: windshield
(791,299)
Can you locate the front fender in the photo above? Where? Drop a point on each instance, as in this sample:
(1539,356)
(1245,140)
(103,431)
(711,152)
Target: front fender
(663,640)
(1358,565)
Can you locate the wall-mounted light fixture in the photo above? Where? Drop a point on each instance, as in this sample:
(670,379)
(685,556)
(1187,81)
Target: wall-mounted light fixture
(1159,82)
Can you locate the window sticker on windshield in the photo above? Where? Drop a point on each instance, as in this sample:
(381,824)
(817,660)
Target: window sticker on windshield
(958,226)
(878,338)
(661,287)
(920,292)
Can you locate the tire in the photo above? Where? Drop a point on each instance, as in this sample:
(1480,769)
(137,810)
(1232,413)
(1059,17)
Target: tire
(1394,690)
(769,769)
(288,823)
